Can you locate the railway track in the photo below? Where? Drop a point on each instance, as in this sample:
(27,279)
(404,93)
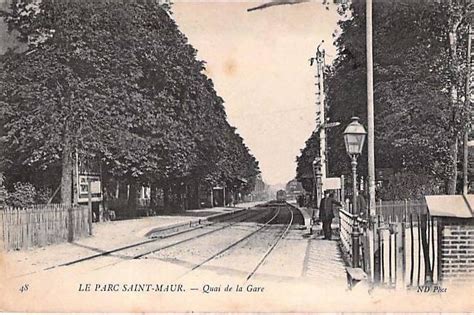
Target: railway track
(263,258)
(195,237)
(239,217)
(282,235)
(170,237)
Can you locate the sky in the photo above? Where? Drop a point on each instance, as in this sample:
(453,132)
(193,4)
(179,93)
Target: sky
(259,63)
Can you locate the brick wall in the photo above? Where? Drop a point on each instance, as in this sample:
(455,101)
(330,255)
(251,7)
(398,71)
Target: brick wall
(456,249)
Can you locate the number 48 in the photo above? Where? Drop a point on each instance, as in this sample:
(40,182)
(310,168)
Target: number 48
(24,288)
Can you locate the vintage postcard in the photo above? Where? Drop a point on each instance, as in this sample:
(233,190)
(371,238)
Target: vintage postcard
(236,156)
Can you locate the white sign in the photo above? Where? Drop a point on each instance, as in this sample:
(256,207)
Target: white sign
(96,193)
(331,183)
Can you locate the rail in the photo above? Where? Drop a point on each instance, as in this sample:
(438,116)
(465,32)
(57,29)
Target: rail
(277,212)
(240,214)
(282,235)
(194,222)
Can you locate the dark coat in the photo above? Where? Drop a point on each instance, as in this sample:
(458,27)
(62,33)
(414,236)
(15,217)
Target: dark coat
(327,207)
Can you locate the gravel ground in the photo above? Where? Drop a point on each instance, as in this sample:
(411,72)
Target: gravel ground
(196,251)
(244,257)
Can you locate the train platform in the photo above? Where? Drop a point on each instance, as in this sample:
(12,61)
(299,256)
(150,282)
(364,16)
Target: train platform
(106,236)
(323,262)
(317,228)
(306,212)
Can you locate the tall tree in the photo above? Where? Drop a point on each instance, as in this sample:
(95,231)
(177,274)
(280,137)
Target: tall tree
(118,84)
(416,122)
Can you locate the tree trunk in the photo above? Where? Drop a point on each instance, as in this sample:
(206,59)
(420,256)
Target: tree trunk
(122,190)
(196,195)
(186,197)
(454,176)
(132,198)
(153,201)
(454,64)
(467,105)
(179,197)
(166,198)
(66,171)
(105,198)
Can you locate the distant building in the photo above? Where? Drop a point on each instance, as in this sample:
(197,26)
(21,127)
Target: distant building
(261,190)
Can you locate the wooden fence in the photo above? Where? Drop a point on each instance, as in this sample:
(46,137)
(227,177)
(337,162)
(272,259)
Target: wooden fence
(404,239)
(41,225)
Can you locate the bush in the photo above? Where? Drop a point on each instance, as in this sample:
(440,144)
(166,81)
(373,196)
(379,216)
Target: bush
(23,194)
(42,195)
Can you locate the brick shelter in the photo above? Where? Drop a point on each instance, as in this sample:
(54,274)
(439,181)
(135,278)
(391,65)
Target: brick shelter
(455,218)
(456,249)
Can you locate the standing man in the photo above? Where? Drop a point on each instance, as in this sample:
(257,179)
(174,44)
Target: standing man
(326,213)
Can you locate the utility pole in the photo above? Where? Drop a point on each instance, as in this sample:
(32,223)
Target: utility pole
(370,108)
(320,109)
(374,250)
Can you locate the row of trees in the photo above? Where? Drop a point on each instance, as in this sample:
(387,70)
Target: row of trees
(421,108)
(115,83)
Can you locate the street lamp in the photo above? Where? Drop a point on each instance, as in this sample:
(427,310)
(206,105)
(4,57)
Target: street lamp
(354,136)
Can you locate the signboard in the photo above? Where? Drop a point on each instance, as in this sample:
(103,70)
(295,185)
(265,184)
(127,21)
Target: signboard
(332,183)
(83,188)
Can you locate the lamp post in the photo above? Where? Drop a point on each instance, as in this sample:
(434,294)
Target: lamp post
(354,136)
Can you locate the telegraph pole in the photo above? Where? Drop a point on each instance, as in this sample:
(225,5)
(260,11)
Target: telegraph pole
(370,108)
(320,108)
(374,250)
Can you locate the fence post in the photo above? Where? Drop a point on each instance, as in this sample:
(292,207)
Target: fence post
(376,253)
(401,256)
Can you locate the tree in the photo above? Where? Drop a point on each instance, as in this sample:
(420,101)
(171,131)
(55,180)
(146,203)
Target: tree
(415,121)
(116,84)
(304,168)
